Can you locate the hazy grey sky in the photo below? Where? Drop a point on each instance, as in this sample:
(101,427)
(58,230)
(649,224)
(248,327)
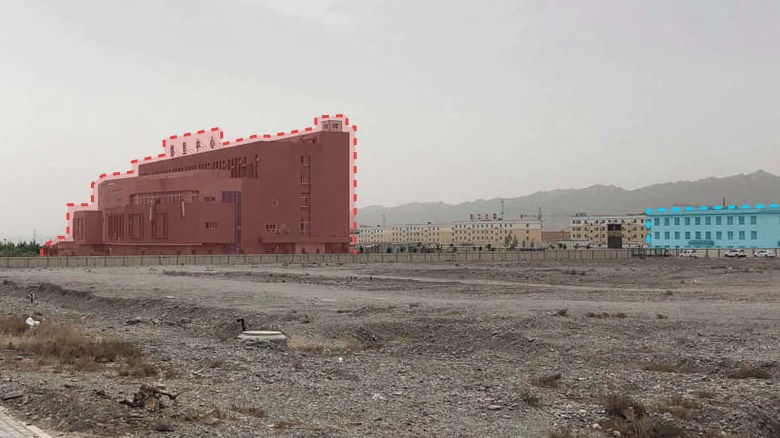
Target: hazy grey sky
(455,100)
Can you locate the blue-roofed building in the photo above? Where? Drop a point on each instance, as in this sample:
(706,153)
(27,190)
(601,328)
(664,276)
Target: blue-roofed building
(732,226)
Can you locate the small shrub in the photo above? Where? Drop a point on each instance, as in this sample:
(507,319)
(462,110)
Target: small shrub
(562,312)
(660,316)
(618,405)
(597,315)
(619,315)
(529,398)
(647,427)
(216,362)
(705,394)
(668,293)
(138,368)
(548,381)
(678,406)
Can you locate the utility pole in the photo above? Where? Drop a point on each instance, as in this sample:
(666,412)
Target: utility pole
(502,208)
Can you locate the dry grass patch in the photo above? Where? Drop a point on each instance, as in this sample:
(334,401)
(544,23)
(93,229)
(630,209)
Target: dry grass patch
(216,362)
(749,373)
(210,417)
(68,346)
(705,394)
(645,427)
(682,367)
(548,381)
(605,315)
(529,398)
(631,420)
(568,433)
(623,406)
(678,406)
(249,411)
(309,345)
(53,342)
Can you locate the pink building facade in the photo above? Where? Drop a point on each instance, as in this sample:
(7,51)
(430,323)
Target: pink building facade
(288,193)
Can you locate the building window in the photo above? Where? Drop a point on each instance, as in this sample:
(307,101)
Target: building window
(305,160)
(271,228)
(211,224)
(78,228)
(677,221)
(687,221)
(697,220)
(658,235)
(718,220)
(677,235)
(688,235)
(707,220)
(304,226)
(135,226)
(657,222)
(708,235)
(741,234)
(160,226)
(753,220)
(718,235)
(754,235)
(729,235)
(666,221)
(666,235)
(698,235)
(304,201)
(741,220)
(730,220)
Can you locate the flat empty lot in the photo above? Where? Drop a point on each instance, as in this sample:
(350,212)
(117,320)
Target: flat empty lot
(653,347)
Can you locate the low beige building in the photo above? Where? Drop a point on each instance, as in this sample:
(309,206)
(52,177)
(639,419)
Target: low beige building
(592,230)
(521,233)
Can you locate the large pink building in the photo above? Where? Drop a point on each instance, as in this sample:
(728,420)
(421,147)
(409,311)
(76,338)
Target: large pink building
(282,193)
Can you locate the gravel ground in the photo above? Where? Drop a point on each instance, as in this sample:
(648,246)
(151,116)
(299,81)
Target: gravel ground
(440,350)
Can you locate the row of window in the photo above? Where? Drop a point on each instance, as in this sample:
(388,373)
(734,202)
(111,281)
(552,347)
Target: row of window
(115,226)
(707,235)
(707,220)
(239,167)
(304,227)
(607,221)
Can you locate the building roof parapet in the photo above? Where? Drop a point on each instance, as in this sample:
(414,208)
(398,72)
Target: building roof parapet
(717,208)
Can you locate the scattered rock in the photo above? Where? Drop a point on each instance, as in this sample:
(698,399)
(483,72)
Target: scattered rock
(134,321)
(494,407)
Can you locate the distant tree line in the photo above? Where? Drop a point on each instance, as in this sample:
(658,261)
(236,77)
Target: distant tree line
(21,249)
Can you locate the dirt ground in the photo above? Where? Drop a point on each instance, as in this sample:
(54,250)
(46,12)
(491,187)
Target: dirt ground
(536,349)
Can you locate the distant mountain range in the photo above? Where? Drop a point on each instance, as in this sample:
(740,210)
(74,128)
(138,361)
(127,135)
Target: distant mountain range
(558,205)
